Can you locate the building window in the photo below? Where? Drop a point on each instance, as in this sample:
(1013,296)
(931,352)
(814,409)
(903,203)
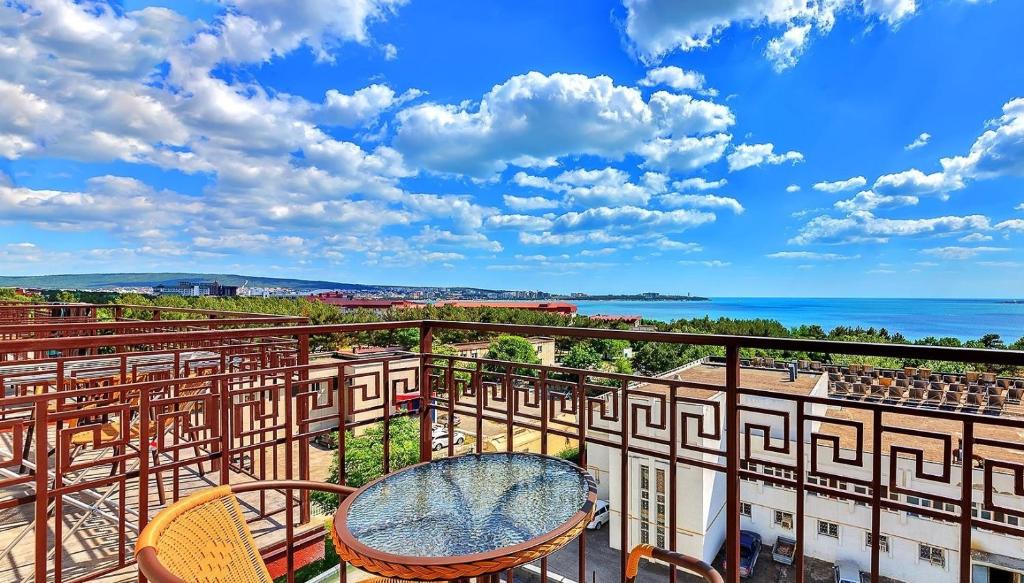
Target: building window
(750,467)
(745,509)
(883,542)
(930,554)
(978,511)
(659,488)
(645,505)
(829,529)
(784,519)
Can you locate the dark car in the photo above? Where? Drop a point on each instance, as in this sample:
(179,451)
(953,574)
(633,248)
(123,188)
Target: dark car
(750,549)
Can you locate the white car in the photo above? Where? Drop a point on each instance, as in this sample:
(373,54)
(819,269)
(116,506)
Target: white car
(600,515)
(440,438)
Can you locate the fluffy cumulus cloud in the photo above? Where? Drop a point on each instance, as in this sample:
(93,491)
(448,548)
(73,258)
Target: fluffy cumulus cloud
(691,184)
(868,200)
(841,185)
(658,27)
(363,106)
(863,225)
(751,155)
(529,203)
(532,120)
(706,201)
(84,82)
(784,51)
(999,151)
(673,77)
(1011,225)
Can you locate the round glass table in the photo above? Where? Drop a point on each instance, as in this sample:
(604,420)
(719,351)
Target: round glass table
(465,516)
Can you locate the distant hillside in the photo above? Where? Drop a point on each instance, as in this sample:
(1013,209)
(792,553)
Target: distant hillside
(89,281)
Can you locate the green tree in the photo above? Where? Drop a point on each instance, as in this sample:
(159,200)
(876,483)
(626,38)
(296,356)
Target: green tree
(513,349)
(364,456)
(652,358)
(622,365)
(582,355)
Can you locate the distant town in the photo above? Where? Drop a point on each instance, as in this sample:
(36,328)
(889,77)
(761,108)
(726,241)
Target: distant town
(207,285)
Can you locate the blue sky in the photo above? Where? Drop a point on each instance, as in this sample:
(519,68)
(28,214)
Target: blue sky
(732,147)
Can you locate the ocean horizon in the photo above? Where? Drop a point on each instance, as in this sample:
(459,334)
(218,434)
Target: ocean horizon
(964,318)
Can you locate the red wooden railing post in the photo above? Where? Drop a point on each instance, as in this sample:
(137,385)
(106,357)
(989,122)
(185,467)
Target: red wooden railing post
(732,462)
(426,399)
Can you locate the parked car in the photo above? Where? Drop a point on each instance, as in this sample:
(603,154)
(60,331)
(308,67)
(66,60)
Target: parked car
(847,572)
(750,549)
(440,438)
(601,515)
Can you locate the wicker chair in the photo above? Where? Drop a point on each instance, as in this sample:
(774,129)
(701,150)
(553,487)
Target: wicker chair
(695,566)
(204,538)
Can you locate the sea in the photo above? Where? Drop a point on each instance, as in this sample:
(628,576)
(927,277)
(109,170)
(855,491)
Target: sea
(965,319)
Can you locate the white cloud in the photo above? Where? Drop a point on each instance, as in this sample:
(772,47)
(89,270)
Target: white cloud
(433,236)
(841,185)
(698,184)
(999,151)
(534,119)
(784,51)
(673,77)
(864,226)
(682,115)
(588,187)
(750,155)
(891,11)
(915,182)
(869,200)
(919,142)
(1011,225)
(629,218)
(657,27)
(262,29)
(810,256)
(713,263)
(708,201)
(113,203)
(519,222)
(793,188)
(363,106)
(1019,207)
(975,238)
(954,252)
(529,203)
(685,154)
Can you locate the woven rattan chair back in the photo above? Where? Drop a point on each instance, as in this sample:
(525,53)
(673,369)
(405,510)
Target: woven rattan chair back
(204,539)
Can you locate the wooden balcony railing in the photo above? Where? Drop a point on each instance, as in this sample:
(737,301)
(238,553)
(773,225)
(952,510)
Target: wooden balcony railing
(91,447)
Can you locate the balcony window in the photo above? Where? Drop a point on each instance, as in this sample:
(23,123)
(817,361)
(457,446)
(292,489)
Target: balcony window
(746,510)
(829,529)
(930,554)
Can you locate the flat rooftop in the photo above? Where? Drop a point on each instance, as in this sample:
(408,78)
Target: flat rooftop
(931,447)
(753,378)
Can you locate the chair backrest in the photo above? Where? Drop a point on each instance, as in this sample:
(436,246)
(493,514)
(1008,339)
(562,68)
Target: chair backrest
(201,538)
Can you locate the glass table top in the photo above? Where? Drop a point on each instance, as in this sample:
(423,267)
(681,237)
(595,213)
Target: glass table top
(467,505)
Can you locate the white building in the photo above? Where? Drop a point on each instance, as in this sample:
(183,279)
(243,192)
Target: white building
(915,547)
